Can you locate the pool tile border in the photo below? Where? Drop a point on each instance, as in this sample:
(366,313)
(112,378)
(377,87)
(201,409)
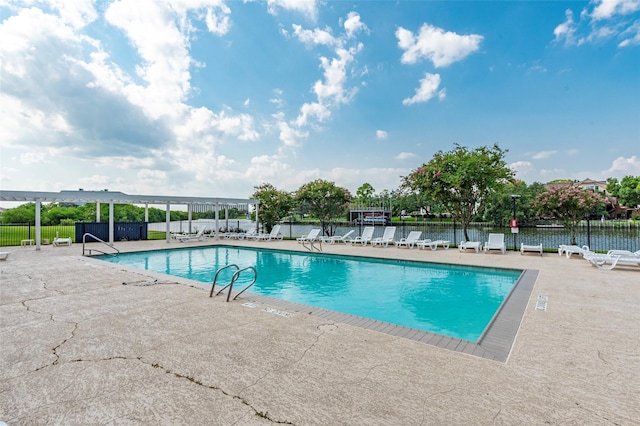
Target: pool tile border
(494,344)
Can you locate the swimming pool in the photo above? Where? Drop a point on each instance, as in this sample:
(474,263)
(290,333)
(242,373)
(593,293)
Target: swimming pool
(455,301)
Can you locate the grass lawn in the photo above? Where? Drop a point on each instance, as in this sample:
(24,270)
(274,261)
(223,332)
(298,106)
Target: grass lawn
(13,235)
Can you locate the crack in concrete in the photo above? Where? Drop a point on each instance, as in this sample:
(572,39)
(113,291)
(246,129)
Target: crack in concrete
(288,364)
(264,415)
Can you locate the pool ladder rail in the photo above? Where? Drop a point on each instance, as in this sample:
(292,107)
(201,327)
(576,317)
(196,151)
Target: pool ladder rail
(234,278)
(85,250)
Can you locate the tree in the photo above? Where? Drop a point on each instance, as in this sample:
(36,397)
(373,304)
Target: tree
(325,201)
(499,206)
(21,214)
(364,194)
(460,180)
(274,204)
(627,191)
(568,204)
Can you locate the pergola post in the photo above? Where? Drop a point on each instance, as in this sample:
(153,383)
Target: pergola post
(168,220)
(217,216)
(38,208)
(111,226)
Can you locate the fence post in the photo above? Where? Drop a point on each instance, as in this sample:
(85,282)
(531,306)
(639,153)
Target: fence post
(454,232)
(588,232)
(29,228)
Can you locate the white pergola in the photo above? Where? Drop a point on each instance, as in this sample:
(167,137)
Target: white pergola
(114,197)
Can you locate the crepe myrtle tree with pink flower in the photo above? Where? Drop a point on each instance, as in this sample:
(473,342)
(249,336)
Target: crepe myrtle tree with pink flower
(568,204)
(324,200)
(461,180)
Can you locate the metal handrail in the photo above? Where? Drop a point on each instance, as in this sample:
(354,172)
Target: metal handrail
(255,278)
(84,237)
(234,278)
(215,279)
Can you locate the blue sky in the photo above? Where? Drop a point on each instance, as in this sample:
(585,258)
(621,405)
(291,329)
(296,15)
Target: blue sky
(213,97)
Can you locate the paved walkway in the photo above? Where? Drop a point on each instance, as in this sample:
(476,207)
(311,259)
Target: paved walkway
(78,348)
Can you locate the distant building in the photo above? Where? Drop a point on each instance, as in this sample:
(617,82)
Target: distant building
(587,184)
(593,185)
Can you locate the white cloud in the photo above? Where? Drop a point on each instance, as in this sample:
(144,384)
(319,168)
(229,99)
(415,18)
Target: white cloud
(165,57)
(609,8)
(522,168)
(405,156)
(269,168)
(379,177)
(543,154)
(353,24)
(607,19)
(566,30)
(312,110)
(335,75)
(622,166)
(427,90)
(29,158)
(631,35)
(289,136)
(218,23)
(76,13)
(553,173)
(381,134)
(441,47)
(277,100)
(315,36)
(149,125)
(152,175)
(308,8)
(331,91)
(96,181)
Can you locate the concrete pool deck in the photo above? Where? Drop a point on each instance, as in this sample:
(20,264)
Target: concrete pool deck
(78,347)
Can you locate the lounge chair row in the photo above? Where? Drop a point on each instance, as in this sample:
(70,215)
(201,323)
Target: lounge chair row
(250,235)
(411,241)
(602,261)
(606,261)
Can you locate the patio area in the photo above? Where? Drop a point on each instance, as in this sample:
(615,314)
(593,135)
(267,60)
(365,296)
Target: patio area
(79,347)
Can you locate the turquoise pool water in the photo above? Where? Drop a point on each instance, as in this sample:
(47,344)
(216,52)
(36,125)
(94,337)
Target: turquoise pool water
(455,301)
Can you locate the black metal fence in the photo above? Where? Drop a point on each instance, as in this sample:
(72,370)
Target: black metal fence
(122,231)
(599,236)
(25,233)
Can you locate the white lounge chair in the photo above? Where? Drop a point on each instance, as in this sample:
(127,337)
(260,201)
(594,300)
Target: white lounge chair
(569,250)
(192,237)
(531,247)
(613,257)
(410,240)
(246,235)
(366,237)
(4,255)
(58,241)
(387,237)
(464,245)
(310,237)
(495,242)
(273,235)
(433,245)
(338,238)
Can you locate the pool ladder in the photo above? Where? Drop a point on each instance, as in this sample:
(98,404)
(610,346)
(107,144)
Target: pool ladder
(234,277)
(90,251)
